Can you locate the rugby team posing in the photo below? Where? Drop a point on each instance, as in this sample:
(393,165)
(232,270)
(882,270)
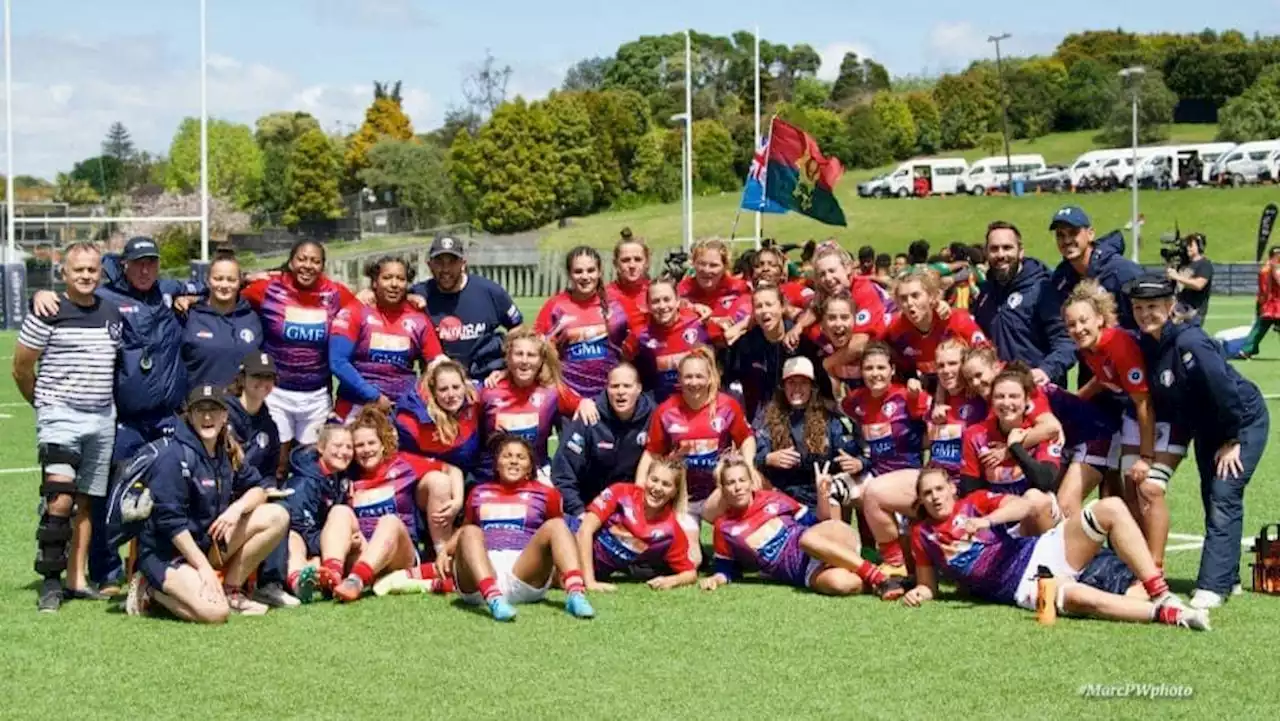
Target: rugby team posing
(810,415)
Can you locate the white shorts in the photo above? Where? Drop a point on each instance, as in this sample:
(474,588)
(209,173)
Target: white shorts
(298,415)
(1166,440)
(1051,552)
(512,588)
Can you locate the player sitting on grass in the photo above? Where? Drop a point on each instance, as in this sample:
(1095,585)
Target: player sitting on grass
(319,483)
(770,531)
(632,524)
(515,539)
(968,540)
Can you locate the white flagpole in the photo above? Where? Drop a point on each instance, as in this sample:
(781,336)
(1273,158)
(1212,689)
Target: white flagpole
(688,139)
(756,148)
(11,239)
(204,139)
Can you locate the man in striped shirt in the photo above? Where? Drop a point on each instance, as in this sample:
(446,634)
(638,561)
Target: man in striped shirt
(71,389)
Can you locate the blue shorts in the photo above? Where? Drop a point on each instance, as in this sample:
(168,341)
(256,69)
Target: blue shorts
(793,566)
(310,538)
(1107,572)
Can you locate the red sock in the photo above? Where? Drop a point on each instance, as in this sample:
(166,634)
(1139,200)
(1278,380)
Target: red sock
(363,572)
(292,582)
(443,585)
(1156,585)
(891,553)
(870,574)
(334,565)
(1168,614)
(572,581)
(489,589)
(426,572)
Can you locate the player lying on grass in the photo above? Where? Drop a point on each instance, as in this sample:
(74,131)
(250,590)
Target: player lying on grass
(788,542)
(514,540)
(632,524)
(968,541)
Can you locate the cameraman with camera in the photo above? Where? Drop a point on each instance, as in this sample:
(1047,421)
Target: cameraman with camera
(1192,271)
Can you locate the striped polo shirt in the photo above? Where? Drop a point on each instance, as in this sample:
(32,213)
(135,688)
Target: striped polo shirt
(79,346)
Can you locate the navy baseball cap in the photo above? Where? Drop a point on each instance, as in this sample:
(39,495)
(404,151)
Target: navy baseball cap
(1071,215)
(258,364)
(1150,286)
(446,245)
(140,247)
(206,394)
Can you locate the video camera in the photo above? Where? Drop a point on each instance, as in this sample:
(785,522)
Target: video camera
(676,263)
(1175,254)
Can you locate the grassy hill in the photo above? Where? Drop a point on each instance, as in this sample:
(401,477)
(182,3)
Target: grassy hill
(1229,217)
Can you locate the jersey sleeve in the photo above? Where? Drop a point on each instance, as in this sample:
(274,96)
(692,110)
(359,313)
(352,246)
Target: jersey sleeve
(35,332)
(738,428)
(723,562)
(347,322)
(542,324)
(868,318)
(469,512)
(567,400)
(658,441)
(1129,363)
(555,504)
(256,292)
(918,408)
(1050,454)
(970,464)
(429,341)
(677,556)
(986,501)
(606,503)
(917,546)
(422,465)
(967,328)
(345,296)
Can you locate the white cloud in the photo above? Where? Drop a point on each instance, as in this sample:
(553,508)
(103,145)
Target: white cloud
(833,54)
(390,15)
(953,45)
(69,90)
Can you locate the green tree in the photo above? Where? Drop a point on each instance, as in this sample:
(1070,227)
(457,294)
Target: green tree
(311,178)
(106,174)
(118,144)
(1255,115)
(578,182)
(851,82)
(587,74)
(1036,90)
(385,118)
(928,122)
(1084,107)
(810,93)
(418,176)
(235,162)
(509,169)
(964,107)
(656,174)
(867,140)
(275,134)
(619,119)
(1155,112)
(69,190)
(899,127)
(713,158)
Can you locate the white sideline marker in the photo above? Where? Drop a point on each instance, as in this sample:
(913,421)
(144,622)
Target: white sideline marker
(28,469)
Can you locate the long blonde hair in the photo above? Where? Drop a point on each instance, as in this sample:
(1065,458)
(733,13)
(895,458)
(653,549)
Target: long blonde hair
(446,423)
(1091,292)
(675,464)
(550,373)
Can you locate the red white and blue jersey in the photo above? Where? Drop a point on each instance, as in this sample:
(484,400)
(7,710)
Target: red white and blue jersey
(946,439)
(389,489)
(731,299)
(1007,477)
(990,563)
(635,298)
(419,433)
(590,345)
(509,515)
(798,293)
(699,436)
(627,537)
(919,350)
(765,536)
(530,413)
(295,327)
(893,426)
(1118,364)
(384,347)
(657,351)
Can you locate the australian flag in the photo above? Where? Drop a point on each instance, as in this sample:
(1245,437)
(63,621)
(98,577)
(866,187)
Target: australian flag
(753,195)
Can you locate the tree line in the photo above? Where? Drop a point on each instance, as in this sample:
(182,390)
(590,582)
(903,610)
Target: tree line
(606,138)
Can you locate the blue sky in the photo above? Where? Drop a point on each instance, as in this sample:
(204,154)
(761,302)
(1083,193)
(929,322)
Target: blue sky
(81,64)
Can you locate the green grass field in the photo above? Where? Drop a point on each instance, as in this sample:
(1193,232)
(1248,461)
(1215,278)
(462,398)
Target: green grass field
(749,651)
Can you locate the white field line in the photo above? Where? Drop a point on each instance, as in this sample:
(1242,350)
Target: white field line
(28,469)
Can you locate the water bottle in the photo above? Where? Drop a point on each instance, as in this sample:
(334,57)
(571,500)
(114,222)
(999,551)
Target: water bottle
(1046,595)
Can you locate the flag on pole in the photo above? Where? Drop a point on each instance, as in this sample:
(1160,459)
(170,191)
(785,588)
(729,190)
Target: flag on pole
(798,177)
(753,198)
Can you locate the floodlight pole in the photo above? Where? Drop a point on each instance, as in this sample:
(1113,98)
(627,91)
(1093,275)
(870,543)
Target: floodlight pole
(1133,75)
(11,254)
(1004,105)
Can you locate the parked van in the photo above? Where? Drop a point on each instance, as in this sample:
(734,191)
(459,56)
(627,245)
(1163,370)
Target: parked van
(1210,153)
(991,173)
(1169,166)
(934,176)
(1119,169)
(1085,164)
(1248,163)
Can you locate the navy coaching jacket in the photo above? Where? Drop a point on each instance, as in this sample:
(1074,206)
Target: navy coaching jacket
(1023,318)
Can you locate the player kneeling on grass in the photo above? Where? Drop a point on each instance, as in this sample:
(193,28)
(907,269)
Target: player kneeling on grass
(514,540)
(968,540)
(199,545)
(378,527)
(770,531)
(632,524)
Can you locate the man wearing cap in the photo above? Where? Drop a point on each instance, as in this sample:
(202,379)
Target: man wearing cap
(1019,311)
(467,310)
(150,379)
(1086,256)
(1225,416)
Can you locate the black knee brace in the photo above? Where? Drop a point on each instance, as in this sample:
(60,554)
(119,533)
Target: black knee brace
(52,538)
(50,454)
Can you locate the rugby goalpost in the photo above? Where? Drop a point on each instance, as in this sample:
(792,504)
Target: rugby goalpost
(14,284)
